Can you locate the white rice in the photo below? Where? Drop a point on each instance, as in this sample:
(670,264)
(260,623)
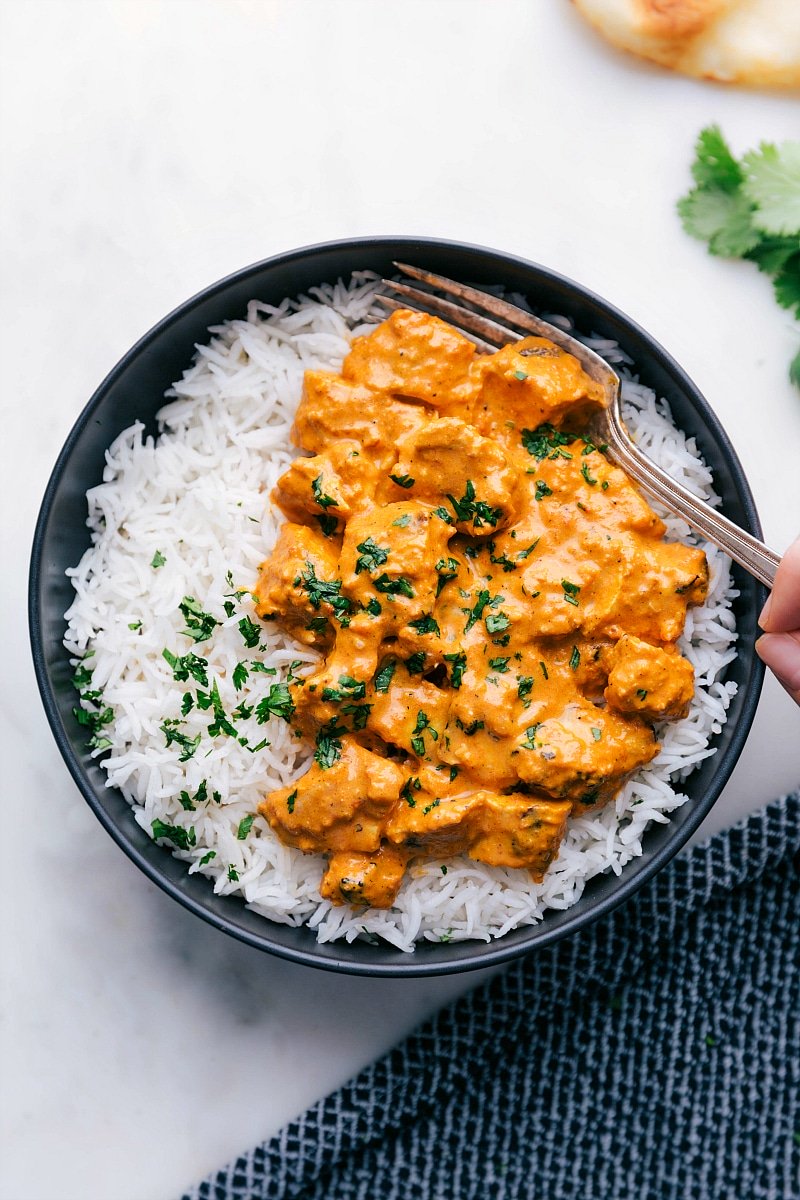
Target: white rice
(199,497)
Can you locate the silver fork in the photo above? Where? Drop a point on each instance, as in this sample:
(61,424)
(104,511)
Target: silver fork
(504,323)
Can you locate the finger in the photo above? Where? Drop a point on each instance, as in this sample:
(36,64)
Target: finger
(781,653)
(781,613)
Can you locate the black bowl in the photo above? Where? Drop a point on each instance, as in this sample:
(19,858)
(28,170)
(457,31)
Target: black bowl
(135,389)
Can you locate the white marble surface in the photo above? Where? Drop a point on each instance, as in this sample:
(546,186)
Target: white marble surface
(147,149)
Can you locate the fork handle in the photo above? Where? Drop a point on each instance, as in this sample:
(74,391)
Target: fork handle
(741,546)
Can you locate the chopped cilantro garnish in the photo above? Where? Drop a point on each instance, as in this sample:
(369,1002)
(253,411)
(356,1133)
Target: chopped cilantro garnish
(328,745)
(240,675)
(499,664)
(182,839)
(476,612)
(641,693)
(323,500)
(529,550)
(158,560)
(251,634)
(245,826)
(207,857)
(443,515)
(471,729)
(371,557)
(277,703)
(325,590)
(469,509)
(403,481)
(403,521)
(186,665)
(187,704)
(585,473)
(405,792)
(596,733)
(571,592)
(458,665)
(575,658)
(290,799)
(199,625)
(172,734)
(544,440)
(543,667)
(327,523)
(530,737)
(497,622)
(220,724)
(415,664)
(394,587)
(383,676)
(524,688)
(134,625)
(446,569)
(425,624)
(233,874)
(542,490)
(373,607)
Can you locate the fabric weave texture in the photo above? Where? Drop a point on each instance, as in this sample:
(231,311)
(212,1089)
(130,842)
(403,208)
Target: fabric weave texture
(653,1056)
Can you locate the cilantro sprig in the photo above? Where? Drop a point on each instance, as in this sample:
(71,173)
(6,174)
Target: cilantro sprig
(749,208)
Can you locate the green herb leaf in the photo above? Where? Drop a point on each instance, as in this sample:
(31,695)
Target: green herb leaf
(182,839)
(158,560)
(458,665)
(772,186)
(240,676)
(245,826)
(383,676)
(328,746)
(371,557)
(426,624)
(571,592)
(199,624)
(403,481)
(323,500)
(575,658)
(468,508)
(394,587)
(277,703)
(251,634)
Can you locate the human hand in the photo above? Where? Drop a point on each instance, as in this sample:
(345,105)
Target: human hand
(779,646)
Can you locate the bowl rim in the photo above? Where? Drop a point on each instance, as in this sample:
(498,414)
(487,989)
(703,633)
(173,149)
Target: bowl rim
(492,953)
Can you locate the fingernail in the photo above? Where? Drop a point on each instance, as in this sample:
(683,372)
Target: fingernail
(781,653)
(764,617)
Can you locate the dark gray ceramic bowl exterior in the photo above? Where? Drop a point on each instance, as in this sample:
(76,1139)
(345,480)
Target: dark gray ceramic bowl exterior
(135,389)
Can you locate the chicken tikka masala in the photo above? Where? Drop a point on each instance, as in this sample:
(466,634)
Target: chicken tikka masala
(495,605)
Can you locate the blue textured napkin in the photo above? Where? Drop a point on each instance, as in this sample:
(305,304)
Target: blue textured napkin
(655,1055)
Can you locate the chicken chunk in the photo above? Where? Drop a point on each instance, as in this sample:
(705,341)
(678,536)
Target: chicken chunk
(389,558)
(452,465)
(328,488)
(369,879)
(332,408)
(585,754)
(298,584)
(653,683)
(341,808)
(528,383)
(413,354)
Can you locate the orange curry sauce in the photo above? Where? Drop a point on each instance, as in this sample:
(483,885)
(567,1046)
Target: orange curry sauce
(494,602)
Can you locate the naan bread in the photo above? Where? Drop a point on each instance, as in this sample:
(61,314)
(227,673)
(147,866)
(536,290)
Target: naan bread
(754,42)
